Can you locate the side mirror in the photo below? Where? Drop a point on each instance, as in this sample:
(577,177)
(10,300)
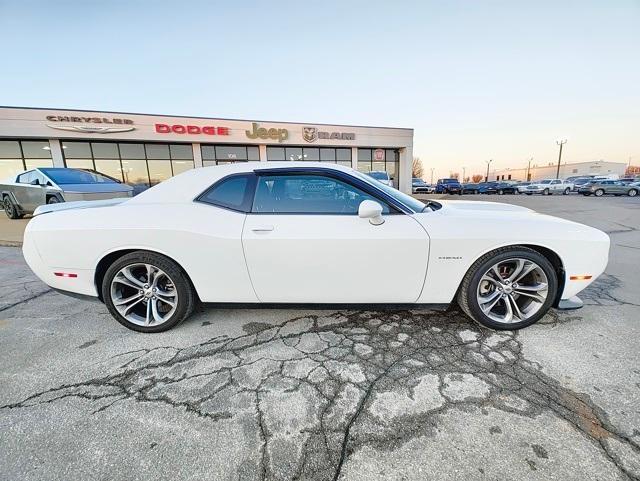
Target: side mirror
(370,209)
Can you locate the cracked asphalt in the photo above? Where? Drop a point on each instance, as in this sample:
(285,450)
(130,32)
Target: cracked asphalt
(274,394)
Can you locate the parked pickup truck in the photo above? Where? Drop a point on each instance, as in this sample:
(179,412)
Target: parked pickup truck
(548,187)
(49,185)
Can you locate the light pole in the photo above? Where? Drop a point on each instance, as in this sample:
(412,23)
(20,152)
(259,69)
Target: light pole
(463,171)
(432,169)
(529,170)
(560,142)
(486,179)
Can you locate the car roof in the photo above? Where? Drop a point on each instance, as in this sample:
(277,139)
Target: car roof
(187,185)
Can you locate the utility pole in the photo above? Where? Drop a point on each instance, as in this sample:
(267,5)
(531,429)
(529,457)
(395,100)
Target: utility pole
(529,170)
(486,179)
(463,171)
(560,142)
(432,169)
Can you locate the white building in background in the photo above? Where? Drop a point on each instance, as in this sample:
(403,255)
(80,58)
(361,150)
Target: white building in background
(142,150)
(538,172)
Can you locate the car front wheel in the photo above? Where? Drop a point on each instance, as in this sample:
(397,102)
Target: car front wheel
(632,192)
(599,193)
(509,288)
(546,192)
(9,208)
(147,292)
(566,191)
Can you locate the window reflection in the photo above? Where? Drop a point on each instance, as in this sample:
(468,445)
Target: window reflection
(159,170)
(110,167)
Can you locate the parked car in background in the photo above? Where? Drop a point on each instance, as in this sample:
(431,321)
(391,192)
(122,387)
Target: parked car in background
(629,180)
(152,258)
(521,187)
(471,188)
(381,176)
(448,186)
(499,188)
(612,187)
(50,185)
(419,186)
(580,181)
(549,186)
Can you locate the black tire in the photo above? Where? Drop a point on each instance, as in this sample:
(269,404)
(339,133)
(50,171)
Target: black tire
(467,292)
(52,200)
(599,193)
(632,192)
(500,192)
(528,193)
(586,194)
(546,192)
(567,191)
(186,295)
(10,208)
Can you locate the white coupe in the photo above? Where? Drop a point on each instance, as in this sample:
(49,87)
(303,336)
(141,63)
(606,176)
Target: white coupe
(308,233)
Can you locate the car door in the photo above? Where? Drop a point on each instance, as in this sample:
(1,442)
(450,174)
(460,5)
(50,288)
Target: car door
(29,196)
(304,242)
(555,186)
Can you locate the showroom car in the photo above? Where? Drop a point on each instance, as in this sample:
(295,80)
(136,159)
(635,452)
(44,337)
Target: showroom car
(381,176)
(549,187)
(50,185)
(308,233)
(611,187)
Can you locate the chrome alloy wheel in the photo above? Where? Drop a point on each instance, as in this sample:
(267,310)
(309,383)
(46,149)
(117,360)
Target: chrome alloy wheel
(512,290)
(144,294)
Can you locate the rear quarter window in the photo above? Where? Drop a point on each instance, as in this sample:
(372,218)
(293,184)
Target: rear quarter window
(234,192)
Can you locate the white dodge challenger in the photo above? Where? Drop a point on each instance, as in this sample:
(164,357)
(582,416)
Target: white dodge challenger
(308,233)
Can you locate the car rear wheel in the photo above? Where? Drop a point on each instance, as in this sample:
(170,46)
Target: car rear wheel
(567,191)
(509,288)
(599,193)
(546,192)
(147,292)
(632,192)
(52,200)
(500,192)
(10,208)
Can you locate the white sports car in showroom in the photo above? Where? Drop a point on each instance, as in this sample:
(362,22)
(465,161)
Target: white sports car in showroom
(302,232)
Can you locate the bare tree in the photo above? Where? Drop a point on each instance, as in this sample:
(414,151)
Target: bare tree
(417,169)
(454,175)
(477,178)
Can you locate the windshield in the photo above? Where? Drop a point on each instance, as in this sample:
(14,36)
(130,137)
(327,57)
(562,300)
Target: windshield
(413,204)
(63,176)
(379,175)
(449,181)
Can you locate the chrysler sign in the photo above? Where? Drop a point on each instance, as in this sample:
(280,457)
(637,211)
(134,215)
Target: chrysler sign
(90,125)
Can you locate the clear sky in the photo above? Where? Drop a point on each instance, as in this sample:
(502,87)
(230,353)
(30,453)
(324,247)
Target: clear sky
(475,79)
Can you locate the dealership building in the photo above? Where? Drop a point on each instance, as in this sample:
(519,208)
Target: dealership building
(143,150)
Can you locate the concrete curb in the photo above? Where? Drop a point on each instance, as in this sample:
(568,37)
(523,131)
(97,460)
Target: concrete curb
(4,243)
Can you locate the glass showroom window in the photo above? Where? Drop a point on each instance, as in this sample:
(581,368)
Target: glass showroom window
(228,154)
(139,165)
(380,160)
(17,156)
(314,154)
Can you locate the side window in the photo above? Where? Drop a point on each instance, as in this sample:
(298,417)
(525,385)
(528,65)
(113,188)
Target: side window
(27,177)
(308,194)
(555,181)
(234,192)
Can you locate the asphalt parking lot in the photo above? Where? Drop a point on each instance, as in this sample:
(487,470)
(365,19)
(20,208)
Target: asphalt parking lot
(321,395)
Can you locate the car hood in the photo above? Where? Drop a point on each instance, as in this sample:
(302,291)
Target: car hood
(470,205)
(96,188)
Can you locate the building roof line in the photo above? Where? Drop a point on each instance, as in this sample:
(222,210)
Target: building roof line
(201,117)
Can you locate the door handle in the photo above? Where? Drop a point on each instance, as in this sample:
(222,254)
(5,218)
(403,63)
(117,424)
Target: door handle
(262,228)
